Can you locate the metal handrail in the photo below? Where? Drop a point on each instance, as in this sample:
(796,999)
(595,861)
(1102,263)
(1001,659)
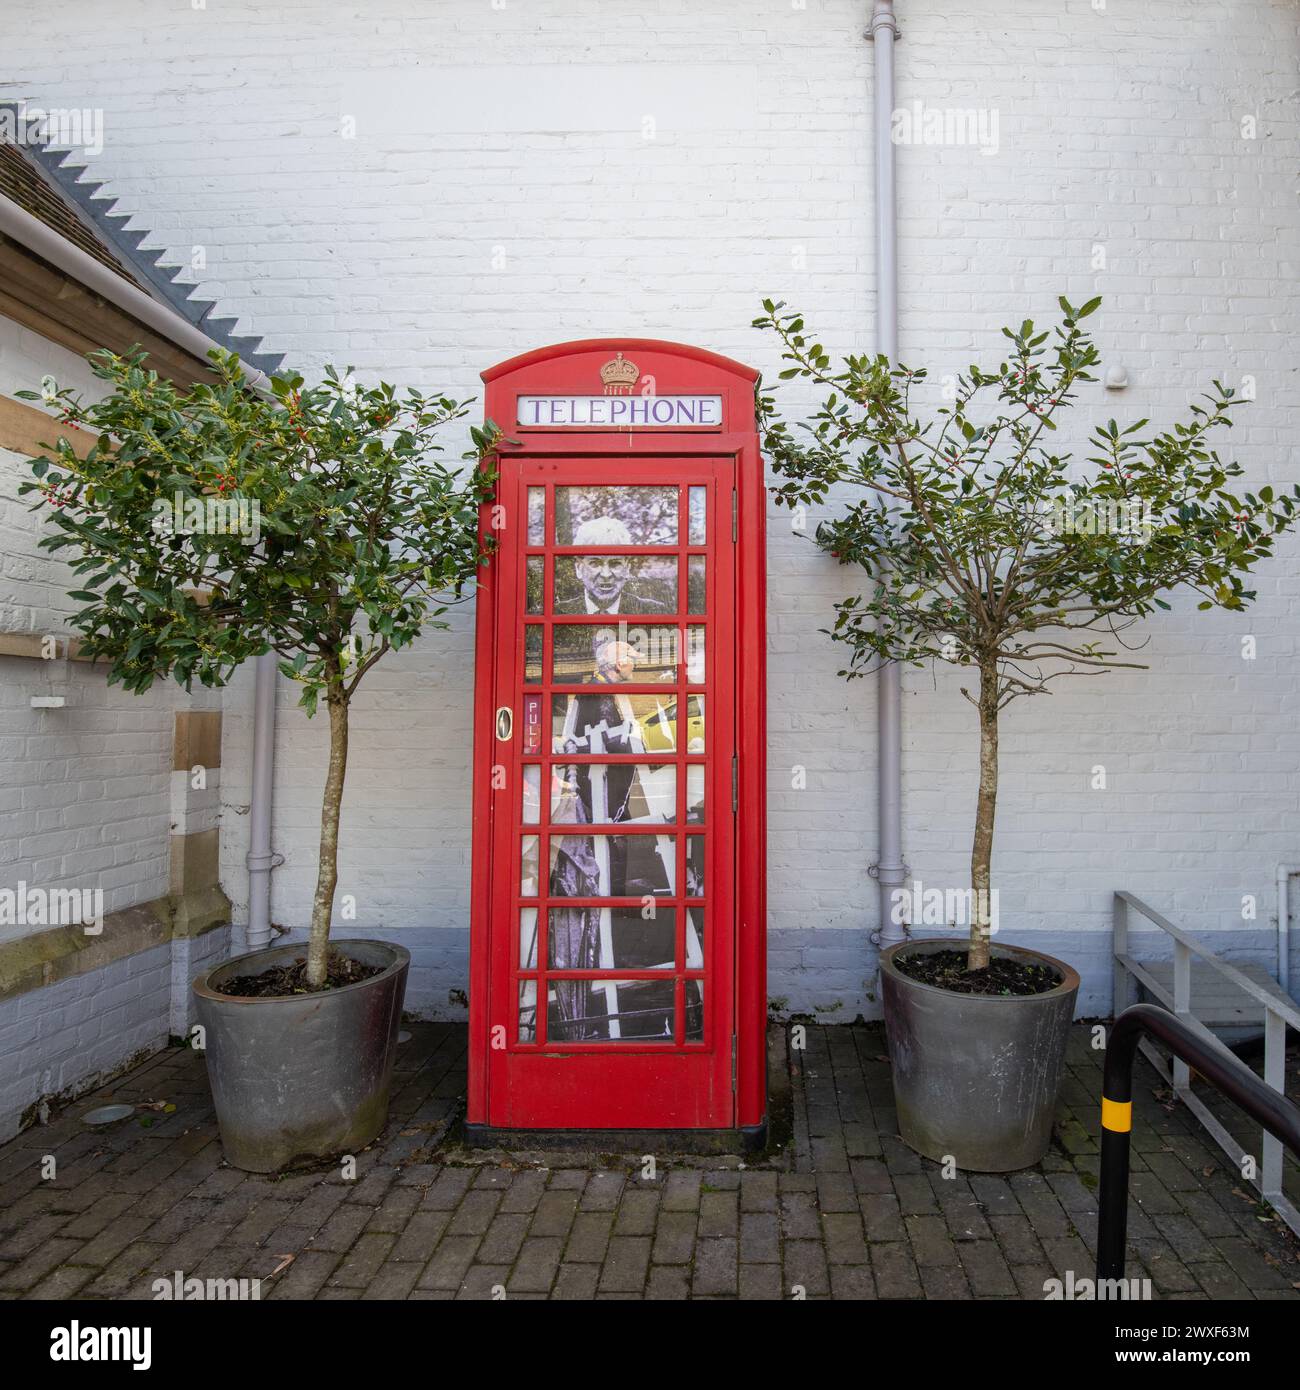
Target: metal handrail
(1200,950)
(1278,1013)
(1220,1068)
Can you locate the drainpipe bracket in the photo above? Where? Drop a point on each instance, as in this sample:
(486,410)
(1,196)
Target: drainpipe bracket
(904,872)
(882,20)
(877,937)
(262,863)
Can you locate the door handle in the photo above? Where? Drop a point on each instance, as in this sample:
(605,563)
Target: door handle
(505,723)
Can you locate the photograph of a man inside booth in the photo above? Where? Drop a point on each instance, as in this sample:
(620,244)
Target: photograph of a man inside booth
(642,866)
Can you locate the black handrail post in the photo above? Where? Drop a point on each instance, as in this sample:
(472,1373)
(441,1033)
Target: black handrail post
(1116,1136)
(1218,1066)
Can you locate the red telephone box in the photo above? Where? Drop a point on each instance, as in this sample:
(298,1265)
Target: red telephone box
(617,964)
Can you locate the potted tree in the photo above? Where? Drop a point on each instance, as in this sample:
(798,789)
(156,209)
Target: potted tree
(987,548)
(211,524)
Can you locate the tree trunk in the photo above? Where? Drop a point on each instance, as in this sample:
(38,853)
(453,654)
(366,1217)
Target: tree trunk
(327,877)
(982,850)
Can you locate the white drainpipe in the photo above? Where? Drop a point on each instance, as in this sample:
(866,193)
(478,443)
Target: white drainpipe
(260,858)
(889,869)
(1284,874)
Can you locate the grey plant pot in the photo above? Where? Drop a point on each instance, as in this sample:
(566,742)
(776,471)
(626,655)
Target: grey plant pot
(307,1076)
(976,1077)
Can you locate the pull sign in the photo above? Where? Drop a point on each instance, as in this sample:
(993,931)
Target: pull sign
(505,723)
(532,724)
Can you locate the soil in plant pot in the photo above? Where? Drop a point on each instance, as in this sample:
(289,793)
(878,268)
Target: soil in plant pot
(947,970)
(291,979)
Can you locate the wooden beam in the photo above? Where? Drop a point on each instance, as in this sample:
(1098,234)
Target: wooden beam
(32,644)
(26,430)
(52,304)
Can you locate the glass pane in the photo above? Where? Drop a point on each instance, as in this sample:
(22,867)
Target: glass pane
(694,1011)
(611,723)
(597,516)
(527,1011)
(528,938)
(611,938)
(611,1010)
(605,793)
(612,866)
(695,792)
(695,584)
(615,653)
(536,516)
(694,731)
(695,655)
(535,587)
(695,866)
(632,585)
(528,866)
(696,505)
(695,938)
(533,654)
(532,793)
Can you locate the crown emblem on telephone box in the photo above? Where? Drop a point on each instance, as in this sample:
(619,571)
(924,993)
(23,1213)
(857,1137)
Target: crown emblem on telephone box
(619,376)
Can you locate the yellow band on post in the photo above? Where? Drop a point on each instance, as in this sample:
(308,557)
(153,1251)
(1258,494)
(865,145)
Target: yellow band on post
(1117,1115)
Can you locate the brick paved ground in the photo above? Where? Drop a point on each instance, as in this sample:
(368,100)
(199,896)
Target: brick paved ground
(844,1209)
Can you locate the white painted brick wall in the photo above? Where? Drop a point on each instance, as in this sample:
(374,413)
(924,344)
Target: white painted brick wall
(64,1040)
(84,790)
(57,1041)
(425,253)
(190,956)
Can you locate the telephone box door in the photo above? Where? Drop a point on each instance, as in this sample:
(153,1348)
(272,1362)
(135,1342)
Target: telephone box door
(616,954)
(612,929)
